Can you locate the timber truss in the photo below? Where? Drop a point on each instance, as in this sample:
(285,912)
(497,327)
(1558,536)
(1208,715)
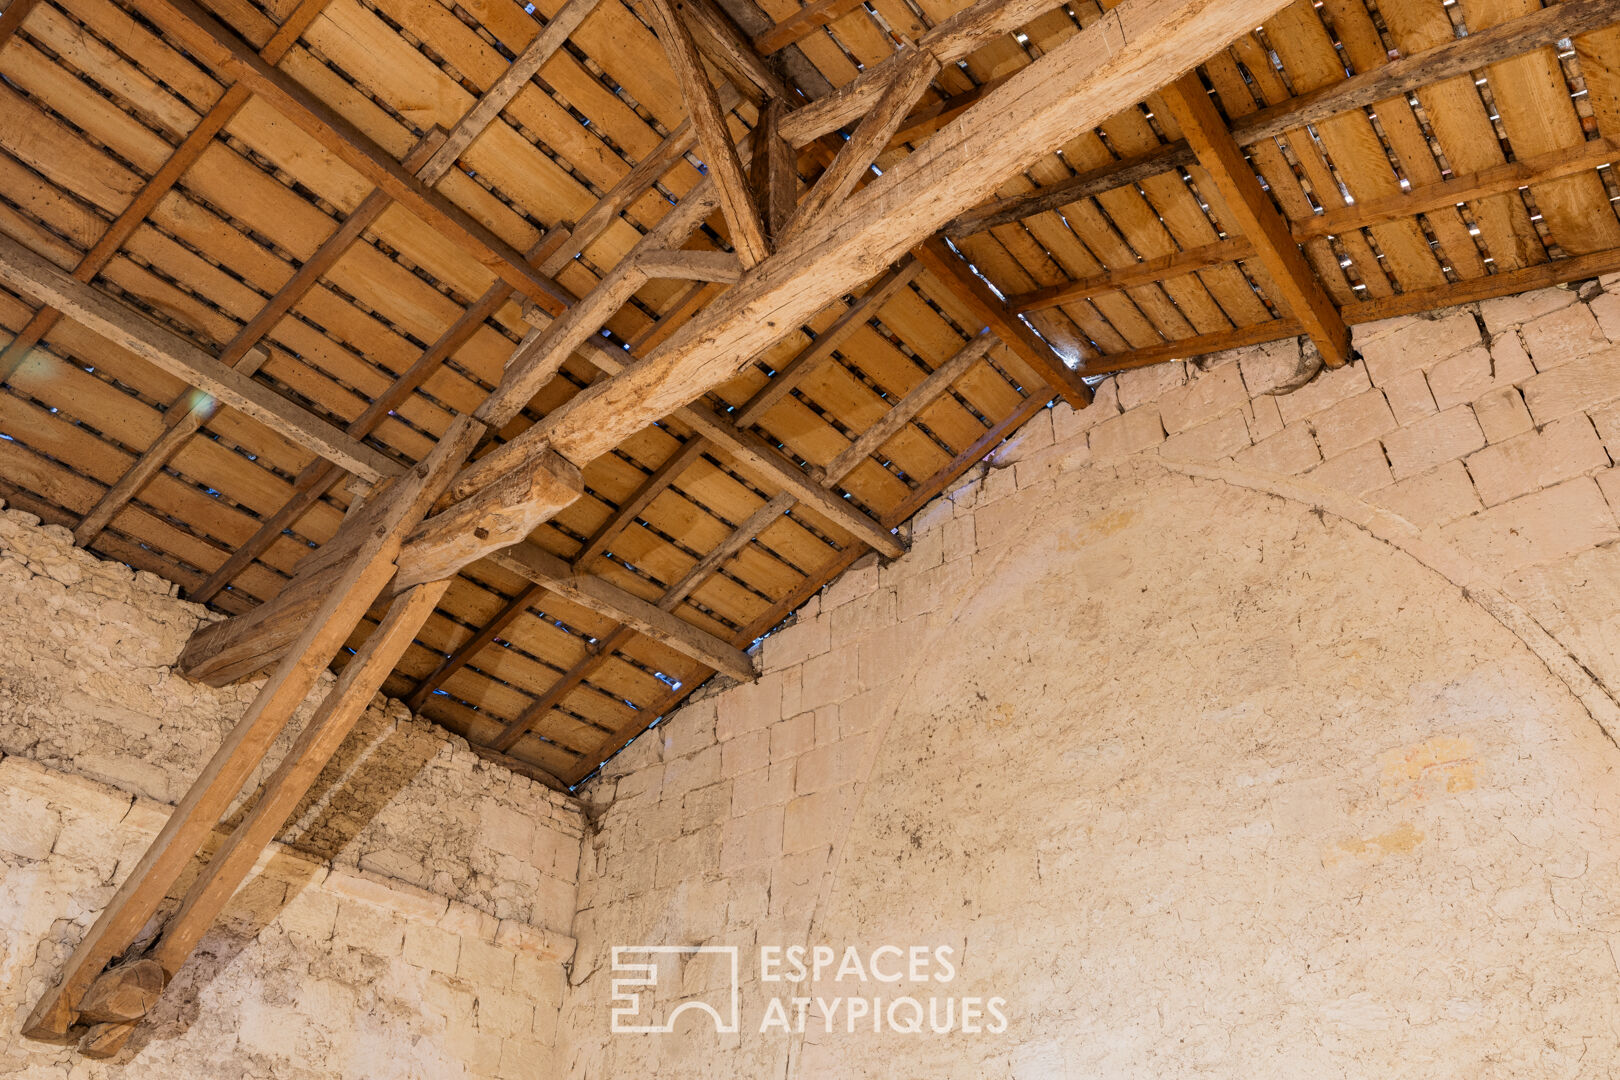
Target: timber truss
(877,275)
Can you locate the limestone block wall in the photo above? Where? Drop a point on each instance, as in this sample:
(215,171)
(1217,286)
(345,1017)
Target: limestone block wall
(415,919)
(1256,721)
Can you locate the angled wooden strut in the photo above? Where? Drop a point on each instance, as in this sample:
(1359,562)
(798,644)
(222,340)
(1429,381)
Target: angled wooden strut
(1258,218)
(369,542)
(1118,60)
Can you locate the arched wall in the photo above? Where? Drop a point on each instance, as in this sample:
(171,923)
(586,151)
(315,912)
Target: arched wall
(1209,764)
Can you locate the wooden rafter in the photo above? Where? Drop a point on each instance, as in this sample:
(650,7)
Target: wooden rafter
(198,139)
(32,275)
(952,272)
(1258,218)
(708,120)
(225,52)
(1545,26)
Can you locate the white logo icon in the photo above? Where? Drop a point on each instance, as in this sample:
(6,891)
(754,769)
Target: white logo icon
(627,996)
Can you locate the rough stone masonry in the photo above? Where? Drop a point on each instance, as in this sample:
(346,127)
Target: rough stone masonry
(414,920)
(1257,721)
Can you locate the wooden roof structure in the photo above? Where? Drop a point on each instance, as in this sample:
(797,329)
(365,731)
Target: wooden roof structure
(712,294)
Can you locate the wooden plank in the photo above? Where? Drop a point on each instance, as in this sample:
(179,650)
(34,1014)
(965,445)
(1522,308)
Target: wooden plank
(319,739)
(31,275)
(914,70)
(951,271)
(1452,58)
(471,647)
(1108,66)
(703,107)
(228,54)
(184,418)
(540,566)
(909,406)
(631,508)
(187,829)
(1258,218)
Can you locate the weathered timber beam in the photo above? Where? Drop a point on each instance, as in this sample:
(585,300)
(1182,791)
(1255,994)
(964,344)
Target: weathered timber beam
(913,72)
(907,408)
(730,49)
(221,49)
(802,23)
(1258,218)
(1119,59)
(686,264)
(554,251)
(319,739)
(789,375)
(954,274)
(703,107)
(365,574)
(198,139)
(32,275)
(528,560)
(774,170)
(746,449)
(1543,27)
(950,41)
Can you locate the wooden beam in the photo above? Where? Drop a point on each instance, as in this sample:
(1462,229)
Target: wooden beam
(689,265)
(953,272)
(1258,218)
(1220,341)
(580,671)
(626,512)
(906,409)
(1364,214)
(768,463)
(725,168)
(949,41)
(730,49)
(1543,27)
(198,139)
(860,313)
(775,173)
(362,677)
(913,72)
(529,560)
(221,49)
(540,355)
(1142,273)
(803,22)
(184,418)
(1108,66)
(554,250)
(472,646)
(188,827)
(32,275)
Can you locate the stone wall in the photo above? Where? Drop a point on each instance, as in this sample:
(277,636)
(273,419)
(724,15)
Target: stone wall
(1253,722)
(414,920)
